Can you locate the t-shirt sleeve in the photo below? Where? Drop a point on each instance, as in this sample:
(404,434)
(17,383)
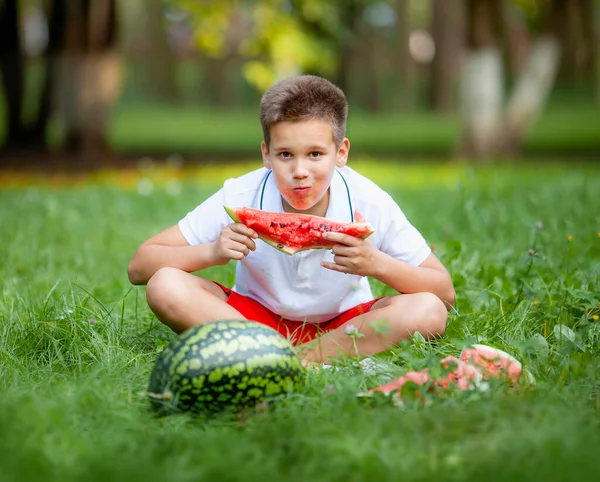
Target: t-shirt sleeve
(204,224)
(399,238)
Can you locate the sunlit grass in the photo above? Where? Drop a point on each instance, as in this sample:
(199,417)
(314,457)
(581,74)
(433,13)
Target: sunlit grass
(77,342)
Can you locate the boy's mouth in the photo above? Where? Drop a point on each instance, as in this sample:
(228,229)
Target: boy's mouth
(301,190)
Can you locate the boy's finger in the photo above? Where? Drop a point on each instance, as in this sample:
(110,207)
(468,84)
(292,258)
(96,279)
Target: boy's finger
(335,267)
(342,239)
(243,229)
(243,239)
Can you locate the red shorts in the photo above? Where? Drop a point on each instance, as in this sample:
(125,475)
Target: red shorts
(296,331)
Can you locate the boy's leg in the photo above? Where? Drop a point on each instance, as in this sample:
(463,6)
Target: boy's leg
(182,300)
(402,316)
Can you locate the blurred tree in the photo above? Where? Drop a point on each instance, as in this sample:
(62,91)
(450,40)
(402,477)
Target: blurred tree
(81,69)
(147,48)
(89,71)
(286,37)
(402,61)
(594,18)
(536,78)
(27,132)
(482,74)
(11,68)
(447,34)
(487,131)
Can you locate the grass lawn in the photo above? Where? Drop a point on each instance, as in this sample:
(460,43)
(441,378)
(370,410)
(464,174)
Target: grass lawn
(562,128)
(77,342)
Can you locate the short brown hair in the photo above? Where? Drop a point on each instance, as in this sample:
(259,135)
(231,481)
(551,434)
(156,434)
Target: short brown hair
(304,97)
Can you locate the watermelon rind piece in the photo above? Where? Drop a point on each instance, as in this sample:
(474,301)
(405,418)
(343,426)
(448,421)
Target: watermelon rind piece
(289,250)
(492,353)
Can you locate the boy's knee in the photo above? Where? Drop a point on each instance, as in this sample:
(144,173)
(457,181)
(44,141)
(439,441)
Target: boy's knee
(430,314)
(161,287)
(435,314)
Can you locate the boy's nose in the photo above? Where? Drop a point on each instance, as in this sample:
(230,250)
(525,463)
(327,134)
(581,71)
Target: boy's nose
(300,170)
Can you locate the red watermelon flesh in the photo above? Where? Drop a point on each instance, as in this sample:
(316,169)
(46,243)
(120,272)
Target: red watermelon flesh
(420,378)
(476,363)
(492,362)
(462,374)
(291,232)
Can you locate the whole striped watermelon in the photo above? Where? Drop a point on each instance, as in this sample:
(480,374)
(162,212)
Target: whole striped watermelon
(222,365)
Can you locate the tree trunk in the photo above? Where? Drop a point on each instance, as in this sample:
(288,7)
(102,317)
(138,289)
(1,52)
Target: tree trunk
(591,39)
(448,45)
(570,39)
(56,26)
(482,81)
(535,81)
(596,60)
(373,102)
(158,60)
(531,91)
(402,61)
(90,75)
(349,13)
(215,74)
(11,68)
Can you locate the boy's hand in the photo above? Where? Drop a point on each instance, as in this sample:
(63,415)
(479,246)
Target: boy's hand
(351,255)
(235,242)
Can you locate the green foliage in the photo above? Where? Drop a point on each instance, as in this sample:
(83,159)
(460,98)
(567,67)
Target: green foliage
(278,38)
(77,343)
(533,12)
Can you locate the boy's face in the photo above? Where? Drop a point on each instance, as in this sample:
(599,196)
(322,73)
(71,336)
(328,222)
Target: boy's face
(303,157)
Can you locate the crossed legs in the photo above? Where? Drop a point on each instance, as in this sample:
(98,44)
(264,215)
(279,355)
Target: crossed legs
(181,300)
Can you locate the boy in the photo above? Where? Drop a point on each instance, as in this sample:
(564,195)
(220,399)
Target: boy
(317,297)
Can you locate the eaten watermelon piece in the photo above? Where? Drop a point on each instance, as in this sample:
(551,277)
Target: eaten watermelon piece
(292,232)
(420,378)
(394,388)
(465,376)
(493,363)
(476,363)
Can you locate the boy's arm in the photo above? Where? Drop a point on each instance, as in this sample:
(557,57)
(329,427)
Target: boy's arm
(430,276)
(169,248)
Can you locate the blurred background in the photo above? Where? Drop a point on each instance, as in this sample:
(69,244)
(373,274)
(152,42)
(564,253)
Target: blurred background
(88,84)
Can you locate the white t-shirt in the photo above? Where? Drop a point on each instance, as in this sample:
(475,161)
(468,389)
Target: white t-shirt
(297,287)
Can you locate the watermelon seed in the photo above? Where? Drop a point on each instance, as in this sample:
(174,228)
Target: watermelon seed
(280,246)
(282,225)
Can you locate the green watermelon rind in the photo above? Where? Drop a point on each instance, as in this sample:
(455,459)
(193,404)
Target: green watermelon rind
(287,249)
(188,379)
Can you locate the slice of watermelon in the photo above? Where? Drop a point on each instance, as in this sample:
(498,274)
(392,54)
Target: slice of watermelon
(492,363)
(291,232)
(420,378)
(465,376)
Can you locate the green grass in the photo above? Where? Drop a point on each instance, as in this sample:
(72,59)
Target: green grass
(73,404)
(561,129)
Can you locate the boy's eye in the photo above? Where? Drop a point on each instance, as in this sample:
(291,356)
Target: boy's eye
(285,155)
(315,154)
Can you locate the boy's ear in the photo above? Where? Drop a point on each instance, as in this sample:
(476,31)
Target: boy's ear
(342,154)
(265,154)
